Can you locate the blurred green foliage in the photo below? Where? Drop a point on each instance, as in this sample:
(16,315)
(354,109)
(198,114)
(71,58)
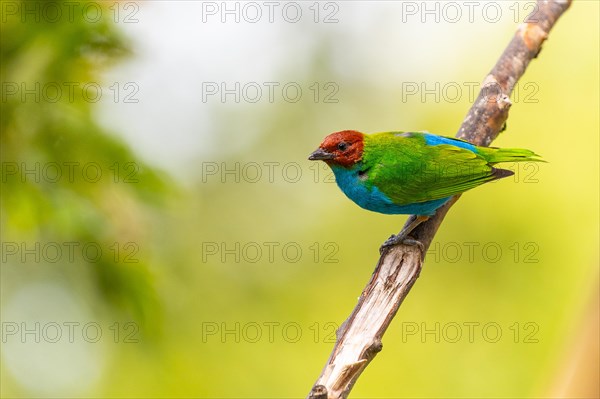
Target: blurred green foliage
(59,167)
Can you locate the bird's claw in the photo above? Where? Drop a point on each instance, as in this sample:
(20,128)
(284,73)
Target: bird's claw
(416,243)
(400,239)
(390,242)
(403,236)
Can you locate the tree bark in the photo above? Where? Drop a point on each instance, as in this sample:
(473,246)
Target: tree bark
(359,337)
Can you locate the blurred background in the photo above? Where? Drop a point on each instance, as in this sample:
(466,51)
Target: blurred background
(164,235)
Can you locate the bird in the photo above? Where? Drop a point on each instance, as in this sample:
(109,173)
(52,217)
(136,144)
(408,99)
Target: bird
(410,173)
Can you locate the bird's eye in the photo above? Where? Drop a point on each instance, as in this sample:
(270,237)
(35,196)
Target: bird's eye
(342,146)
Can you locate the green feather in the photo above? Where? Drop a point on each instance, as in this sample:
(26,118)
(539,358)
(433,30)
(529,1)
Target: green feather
(496,155)
(408,170)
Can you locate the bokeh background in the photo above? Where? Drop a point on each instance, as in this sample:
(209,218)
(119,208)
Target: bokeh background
(163,234)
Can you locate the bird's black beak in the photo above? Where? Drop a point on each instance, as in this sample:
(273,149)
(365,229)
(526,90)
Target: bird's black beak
(320,155)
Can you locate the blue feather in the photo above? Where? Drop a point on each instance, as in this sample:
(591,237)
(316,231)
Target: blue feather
(432,139)
(374,200)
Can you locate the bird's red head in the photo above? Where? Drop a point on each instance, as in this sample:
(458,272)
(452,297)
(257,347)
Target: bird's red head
(343,148)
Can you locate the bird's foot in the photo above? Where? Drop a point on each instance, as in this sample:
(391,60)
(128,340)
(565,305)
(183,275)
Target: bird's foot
(403,238)
(397,239)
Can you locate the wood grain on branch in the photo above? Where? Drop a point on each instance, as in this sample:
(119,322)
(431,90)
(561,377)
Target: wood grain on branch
(359,337)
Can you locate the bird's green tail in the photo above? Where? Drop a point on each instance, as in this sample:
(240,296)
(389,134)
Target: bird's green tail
(496,155)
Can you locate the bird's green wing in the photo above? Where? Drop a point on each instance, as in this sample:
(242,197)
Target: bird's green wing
(409,170)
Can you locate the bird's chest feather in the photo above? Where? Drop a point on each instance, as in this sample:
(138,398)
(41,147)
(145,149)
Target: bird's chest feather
(355,183)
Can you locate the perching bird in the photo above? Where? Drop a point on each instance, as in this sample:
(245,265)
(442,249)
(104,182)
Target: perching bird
(410,173)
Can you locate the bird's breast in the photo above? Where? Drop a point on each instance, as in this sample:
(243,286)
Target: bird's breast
(354,182)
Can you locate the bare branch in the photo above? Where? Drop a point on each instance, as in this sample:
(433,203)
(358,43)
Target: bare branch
(359,338)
